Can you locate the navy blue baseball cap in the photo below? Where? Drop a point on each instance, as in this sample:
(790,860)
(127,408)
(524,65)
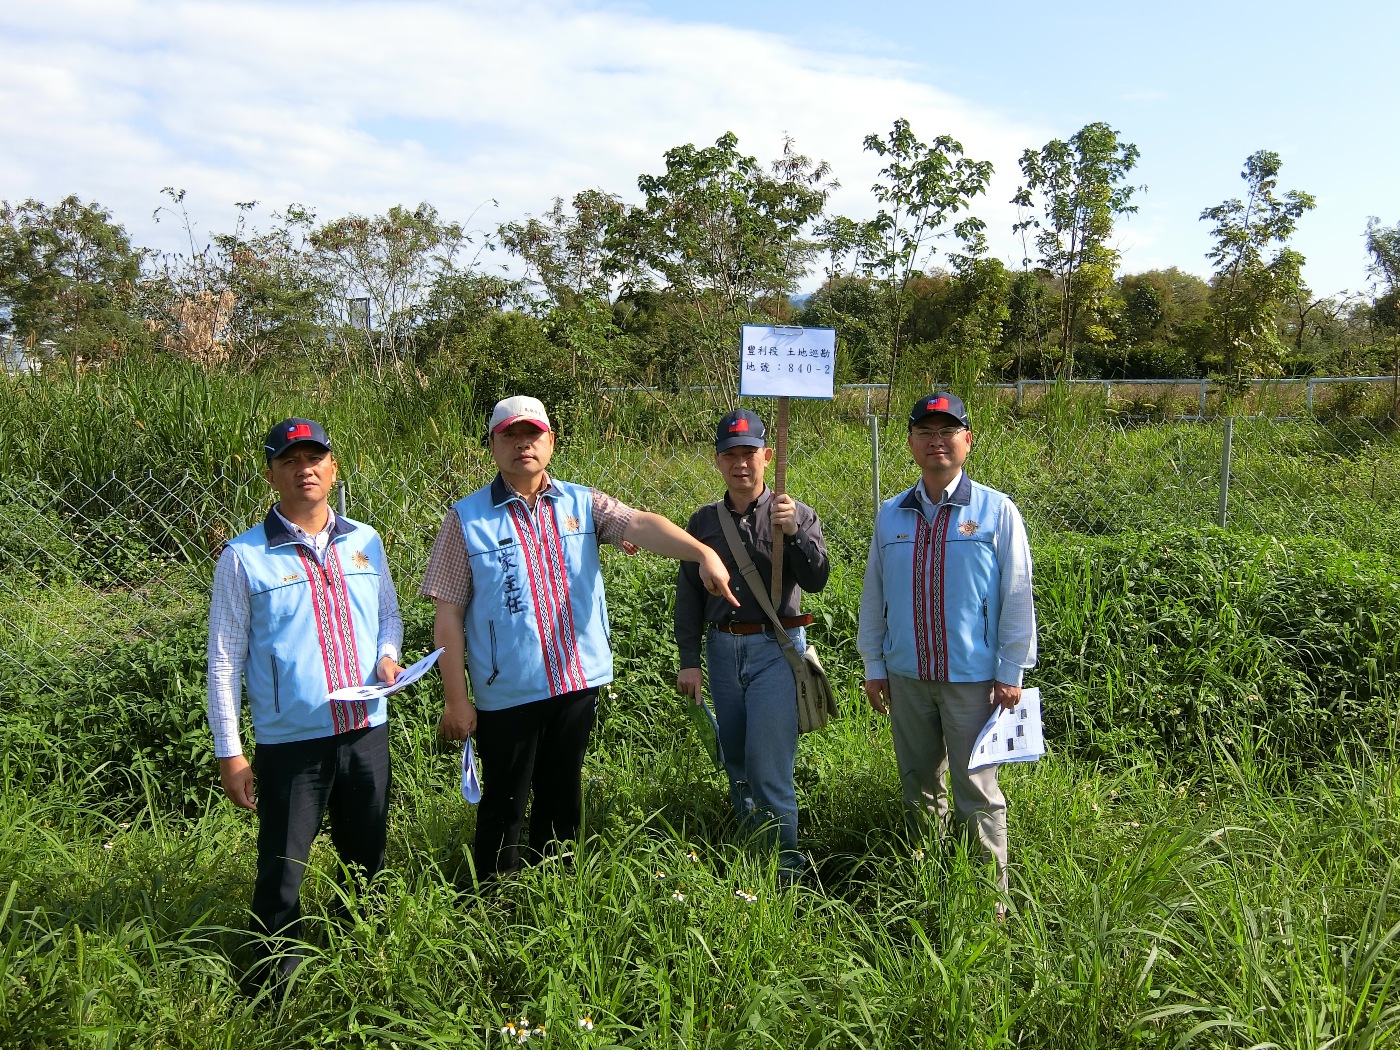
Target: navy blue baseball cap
(944,403)
(291,432)
(740,427)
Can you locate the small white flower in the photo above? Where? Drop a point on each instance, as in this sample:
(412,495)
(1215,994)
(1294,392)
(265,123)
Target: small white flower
(678,896)
(918,854)
(693,857)
(745,896)
(125,825)
(658,874)
(586,1023)
(107,845)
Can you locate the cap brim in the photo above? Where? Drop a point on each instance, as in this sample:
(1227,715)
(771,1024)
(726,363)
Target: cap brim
(735,442)
(293,444)
(518,419)
(939,412)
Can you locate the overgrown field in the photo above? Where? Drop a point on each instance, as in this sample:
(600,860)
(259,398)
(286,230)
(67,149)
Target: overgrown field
(1206,858)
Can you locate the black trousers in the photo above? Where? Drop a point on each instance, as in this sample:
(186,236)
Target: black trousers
(298,783)
(535,747)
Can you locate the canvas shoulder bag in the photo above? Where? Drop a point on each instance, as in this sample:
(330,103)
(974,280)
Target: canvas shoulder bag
(816,700)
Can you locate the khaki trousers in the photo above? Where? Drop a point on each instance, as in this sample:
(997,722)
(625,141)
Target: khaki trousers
(935,725)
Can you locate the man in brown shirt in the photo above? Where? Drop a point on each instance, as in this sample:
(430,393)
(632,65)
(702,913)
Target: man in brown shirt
(751,682)
(520,608)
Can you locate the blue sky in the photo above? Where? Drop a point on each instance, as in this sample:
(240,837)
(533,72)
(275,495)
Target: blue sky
(355,107)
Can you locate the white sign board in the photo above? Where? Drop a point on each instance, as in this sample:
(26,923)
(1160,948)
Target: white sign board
(778,361)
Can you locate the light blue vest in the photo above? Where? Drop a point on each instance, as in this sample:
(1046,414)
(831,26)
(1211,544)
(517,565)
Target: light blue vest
(942,584)
(537,622)
(314,628)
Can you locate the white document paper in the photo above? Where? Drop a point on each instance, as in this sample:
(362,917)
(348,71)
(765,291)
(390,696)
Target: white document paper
(407,677)
(1011,736)
(471,781)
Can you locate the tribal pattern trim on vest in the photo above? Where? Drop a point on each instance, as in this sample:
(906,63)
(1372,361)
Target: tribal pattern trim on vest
(314,627)
(930,573)
(330,601)
(537,623)
(549,591)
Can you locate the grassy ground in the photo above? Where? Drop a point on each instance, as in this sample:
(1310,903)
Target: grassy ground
(1204,860)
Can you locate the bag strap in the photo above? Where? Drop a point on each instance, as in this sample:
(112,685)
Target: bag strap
(752,578)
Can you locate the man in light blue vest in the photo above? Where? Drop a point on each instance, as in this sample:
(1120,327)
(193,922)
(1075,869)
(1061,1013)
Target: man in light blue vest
(515,576)
(947,626)
(303,605)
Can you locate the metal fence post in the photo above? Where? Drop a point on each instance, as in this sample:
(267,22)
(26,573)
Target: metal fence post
(874,422)
(1203,399)
(1225,470)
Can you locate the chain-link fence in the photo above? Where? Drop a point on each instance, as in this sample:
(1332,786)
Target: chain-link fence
(88,563)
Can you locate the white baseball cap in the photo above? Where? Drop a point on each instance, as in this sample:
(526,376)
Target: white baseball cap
(514,409)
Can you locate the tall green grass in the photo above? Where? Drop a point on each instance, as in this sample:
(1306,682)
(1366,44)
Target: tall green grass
(1204,860)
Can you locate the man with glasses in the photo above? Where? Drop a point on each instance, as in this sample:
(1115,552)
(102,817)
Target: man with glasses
(947,627)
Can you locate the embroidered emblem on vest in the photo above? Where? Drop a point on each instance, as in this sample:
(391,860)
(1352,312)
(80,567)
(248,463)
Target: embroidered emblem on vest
(967,528)
(571,523)
(290,579)
(361,560)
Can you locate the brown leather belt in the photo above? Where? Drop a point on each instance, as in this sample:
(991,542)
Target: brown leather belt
(739,627)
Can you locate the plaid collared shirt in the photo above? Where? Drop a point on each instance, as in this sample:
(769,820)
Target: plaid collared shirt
(448,576)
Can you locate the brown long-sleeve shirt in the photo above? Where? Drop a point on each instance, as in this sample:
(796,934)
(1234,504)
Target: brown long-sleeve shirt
(805,568)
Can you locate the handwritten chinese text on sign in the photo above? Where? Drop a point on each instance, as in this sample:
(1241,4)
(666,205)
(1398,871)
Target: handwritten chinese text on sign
(787,362)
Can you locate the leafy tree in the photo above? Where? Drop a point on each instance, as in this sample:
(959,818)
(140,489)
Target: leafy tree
(568,260)
(921,187)
(245,294)
(1031,306)
(726,239)
(565,251)
(981,304)
(1249,283)
(1383,244)
(847,239)
(1076,190)
(69,274)
(393,260)
(1161,324)
(855,308)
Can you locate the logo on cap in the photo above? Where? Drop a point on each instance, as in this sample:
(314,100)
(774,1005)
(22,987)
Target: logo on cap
(937,404)
(301,430)
(739,426)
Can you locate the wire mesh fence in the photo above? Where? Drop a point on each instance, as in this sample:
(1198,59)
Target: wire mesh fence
(84,562)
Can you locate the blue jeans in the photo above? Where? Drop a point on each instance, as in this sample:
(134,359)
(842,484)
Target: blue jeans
(755,701)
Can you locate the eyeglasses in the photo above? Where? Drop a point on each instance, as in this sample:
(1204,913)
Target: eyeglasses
(942,433)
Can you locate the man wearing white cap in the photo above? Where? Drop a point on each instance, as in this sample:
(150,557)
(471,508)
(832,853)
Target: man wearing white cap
(515,575)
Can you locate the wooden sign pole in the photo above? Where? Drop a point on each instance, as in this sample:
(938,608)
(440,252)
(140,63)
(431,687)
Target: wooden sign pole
(779,487)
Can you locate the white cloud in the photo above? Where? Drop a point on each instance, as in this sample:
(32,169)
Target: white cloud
(358,107)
